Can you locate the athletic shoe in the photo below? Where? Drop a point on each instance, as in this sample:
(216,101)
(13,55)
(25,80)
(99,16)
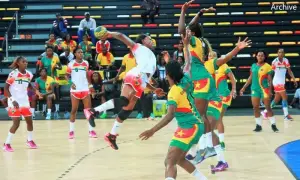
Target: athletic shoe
(48,117)
(189,157)
(31,145)
(274,128)
(66,115)
(71,135)
(258,128)
(139,116)
(103,116)
(56,115)
(152,116)
(92,134)
(7,148)
(221,166)
(288,118)
(209,152)
(111,139)
(264,114)
(90,115)
(222,145)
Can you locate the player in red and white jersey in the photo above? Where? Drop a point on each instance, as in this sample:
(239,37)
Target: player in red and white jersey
(135,81)
(280,66)
(18,101)
(80,91)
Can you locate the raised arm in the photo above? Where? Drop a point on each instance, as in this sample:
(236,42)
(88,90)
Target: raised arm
(239,46)
(186,52)
(122,37)
(181,23)
(200,13)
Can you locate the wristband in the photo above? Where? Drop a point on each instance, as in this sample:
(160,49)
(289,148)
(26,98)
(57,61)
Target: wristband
(200,13)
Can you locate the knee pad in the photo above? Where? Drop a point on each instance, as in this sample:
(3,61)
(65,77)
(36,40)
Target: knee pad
(284,103)
(122,101)
(124,114)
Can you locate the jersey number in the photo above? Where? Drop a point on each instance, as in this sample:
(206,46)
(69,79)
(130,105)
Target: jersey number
(20,82)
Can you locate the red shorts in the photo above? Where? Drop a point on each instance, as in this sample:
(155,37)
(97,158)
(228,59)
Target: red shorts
(279,88)
(24,111)
(136,83)
(80,95)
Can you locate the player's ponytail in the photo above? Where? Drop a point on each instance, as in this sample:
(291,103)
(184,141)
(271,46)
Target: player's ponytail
(15,65)
(206,48)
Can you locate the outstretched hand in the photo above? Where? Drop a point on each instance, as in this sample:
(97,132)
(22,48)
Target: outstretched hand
(159,92)
(205,10)
(186,5)
(146,134)
(245,43)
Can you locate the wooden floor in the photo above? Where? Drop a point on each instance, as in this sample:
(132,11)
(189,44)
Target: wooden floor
(250,155)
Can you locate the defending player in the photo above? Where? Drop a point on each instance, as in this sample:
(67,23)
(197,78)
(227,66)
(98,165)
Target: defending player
(135,81)
(280,65)
(18,101)
(260,79)
(189,127)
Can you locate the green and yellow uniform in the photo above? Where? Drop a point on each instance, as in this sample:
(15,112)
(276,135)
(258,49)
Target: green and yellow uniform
(215,103)
(44,86)
(60,77)
(189,128)
(259,85)
(222,85)
(84,47)
(50,63)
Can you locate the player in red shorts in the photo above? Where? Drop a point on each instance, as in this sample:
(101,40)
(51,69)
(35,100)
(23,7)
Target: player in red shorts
(80,91)
(135,81)
(18,102)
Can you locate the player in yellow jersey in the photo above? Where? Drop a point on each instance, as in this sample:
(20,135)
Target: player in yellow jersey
(260,79)
(189,127)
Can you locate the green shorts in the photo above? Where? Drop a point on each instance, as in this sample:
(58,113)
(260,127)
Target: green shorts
(184,138)
(206,89)
(260,93)
(214,109)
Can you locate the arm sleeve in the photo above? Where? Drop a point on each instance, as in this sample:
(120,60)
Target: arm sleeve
(227,69)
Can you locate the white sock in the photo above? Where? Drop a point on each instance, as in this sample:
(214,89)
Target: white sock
(272,119)
(265,111)
(105,106)
(216,132)
(115,128)
(90,128)
(220,154)
(44,107)
(30,135)
(9,137)
(104,111)
(198,175)
(258,121)
(56,107)
(202,142)
(32,110)
(169,178)
(193,150)
(48,111)
(285,111)
(6,108)
(72,126)
(209,139)
(221,137)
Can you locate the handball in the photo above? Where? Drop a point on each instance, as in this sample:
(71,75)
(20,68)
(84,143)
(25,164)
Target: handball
(100,32)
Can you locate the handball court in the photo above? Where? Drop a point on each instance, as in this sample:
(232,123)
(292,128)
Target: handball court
(250,155)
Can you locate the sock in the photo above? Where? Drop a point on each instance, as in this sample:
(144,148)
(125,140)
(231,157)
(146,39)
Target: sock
(104,111)
(90,128)
(285,111)
(265,111)
(169,178)
(105,106)
(44,107)
(220,154)
(193,150)
(32,110)
(272,119)
(48,111)
(258,121)
(9,137)
(115,128)
(30,134)
(6,108)
(72,126)
(56,107)
(202,142)
(216,132)
(221,137)
(209,139)
(198,175)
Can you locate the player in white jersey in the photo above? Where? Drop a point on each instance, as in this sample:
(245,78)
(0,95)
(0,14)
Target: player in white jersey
(80,91)
(135,81)
(18,101)
(280,66)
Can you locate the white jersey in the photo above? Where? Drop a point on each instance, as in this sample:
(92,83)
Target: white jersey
(78,72)
(280,70)
(18,87)
(146,63)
